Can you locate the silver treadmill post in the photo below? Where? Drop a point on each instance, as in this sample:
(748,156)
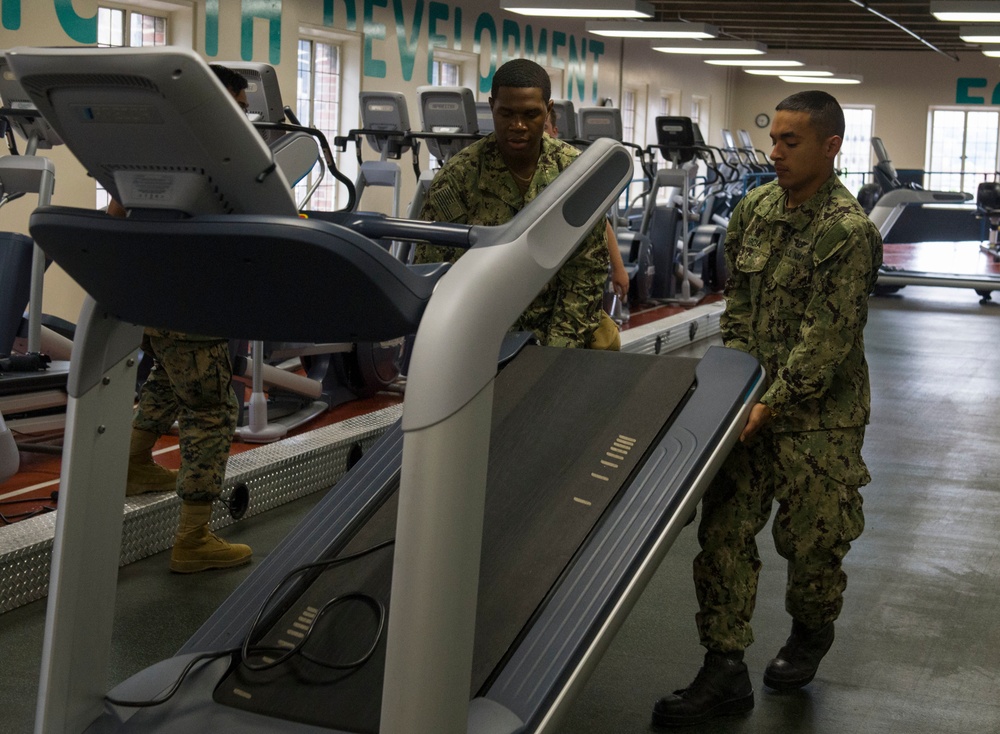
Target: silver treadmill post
(446,424)
(87,548)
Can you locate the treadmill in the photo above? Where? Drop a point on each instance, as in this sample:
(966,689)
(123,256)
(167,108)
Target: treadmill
(956,212)
(481,555)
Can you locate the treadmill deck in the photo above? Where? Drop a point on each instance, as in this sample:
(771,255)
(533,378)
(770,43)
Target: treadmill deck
(569,428)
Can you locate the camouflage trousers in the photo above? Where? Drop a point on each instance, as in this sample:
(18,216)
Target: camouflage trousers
(190,383)
(814,477)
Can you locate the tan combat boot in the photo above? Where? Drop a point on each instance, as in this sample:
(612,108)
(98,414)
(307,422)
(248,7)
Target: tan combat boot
(144,474)
(196,548)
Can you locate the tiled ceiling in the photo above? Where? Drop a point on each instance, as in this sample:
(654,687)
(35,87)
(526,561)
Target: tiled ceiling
(832,24)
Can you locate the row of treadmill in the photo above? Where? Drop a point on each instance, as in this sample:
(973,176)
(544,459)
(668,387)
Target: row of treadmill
(470,569)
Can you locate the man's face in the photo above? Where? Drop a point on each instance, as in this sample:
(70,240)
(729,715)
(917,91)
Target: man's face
(241,100)
(519,115)
(803,157)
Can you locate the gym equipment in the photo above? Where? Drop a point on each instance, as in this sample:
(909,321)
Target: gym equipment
(599,122)
(334,373)
(32,385)
(431,639)
(755,157)
(449,122)
(677,246)
(385,121)
(484,116)
(988,208)
(906,213)
(955,218)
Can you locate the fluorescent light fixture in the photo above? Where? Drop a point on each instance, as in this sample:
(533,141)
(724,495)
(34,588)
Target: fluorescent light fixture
(839,79)
(811,71)
(991,51)
(966,11)
(713,48)
(770,62)
(980,33)
(580,8)
(648,29)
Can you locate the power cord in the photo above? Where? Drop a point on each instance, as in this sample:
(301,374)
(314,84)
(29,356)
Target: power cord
(245,650)
(377,608)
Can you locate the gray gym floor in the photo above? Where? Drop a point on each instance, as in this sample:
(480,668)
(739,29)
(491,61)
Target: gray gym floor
(918,645)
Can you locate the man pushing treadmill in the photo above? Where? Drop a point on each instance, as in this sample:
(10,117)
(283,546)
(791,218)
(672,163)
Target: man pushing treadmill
(803,257)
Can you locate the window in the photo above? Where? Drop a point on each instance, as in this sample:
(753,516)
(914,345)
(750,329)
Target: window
(317,103)
(962,148)
(701,113)
(117,27)
(444,74)
(855,157)
(628,115)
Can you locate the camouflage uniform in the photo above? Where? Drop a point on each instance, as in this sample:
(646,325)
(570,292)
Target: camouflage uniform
(190,383)
(797,300)
(475,187)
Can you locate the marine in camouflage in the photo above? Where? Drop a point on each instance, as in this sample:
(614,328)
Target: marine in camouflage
(797,300)
(475,187)
(190,383)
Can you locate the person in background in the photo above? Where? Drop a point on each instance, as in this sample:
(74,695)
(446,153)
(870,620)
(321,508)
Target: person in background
(619,278)
(189,383)
(490,181)
(803,257)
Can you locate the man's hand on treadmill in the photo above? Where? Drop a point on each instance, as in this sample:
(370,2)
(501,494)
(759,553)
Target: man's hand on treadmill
(760,416)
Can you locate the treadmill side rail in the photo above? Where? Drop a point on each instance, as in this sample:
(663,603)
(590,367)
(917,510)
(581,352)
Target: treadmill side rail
(554,661)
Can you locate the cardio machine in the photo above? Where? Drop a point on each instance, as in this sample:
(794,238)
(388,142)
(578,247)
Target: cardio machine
(679,241)
(463,526)
(932,215)
(898,200)
(33,358)
(333,373)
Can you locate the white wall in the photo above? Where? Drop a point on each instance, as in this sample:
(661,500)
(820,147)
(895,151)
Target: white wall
(389,51)
(901,85)
(399,39)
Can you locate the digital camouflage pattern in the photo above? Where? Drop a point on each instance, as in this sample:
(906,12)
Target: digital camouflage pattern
(819,514)
(475,187)
(797,300)
(190,383)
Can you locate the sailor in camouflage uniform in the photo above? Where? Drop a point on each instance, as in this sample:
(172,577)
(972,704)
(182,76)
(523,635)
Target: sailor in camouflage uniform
(189,383)
(491,180)
(803,257)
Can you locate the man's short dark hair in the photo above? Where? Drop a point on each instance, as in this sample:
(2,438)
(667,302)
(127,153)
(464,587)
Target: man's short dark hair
(232,81)
(522,73)
(824,110)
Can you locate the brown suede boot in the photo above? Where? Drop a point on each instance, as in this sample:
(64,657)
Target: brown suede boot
(144,474)
(196,548)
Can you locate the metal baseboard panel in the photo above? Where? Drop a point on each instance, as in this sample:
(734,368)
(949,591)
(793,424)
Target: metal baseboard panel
(674,332)
(275,474)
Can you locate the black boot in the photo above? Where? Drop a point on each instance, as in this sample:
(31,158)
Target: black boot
(798,660)
(722,687)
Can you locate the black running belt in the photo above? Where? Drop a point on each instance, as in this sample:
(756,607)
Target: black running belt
(569,427)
